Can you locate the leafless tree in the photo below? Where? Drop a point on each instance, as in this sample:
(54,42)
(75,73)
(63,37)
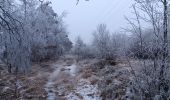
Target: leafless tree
(156,81)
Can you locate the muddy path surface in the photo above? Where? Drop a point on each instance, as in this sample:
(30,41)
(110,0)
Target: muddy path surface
(49,86)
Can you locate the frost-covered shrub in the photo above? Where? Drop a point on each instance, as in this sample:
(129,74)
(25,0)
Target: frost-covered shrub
(146,83)
(112,83)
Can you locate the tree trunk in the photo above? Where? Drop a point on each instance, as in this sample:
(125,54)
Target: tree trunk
(9,68)
(165,45)
(16,83)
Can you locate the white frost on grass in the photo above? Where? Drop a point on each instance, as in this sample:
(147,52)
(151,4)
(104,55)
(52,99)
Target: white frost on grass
(85,91)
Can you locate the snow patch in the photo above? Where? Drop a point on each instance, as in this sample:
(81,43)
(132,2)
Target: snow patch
(84,91)
(50,91)
(72,69)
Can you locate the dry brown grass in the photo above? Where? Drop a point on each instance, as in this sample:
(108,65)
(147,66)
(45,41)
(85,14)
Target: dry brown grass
(32,83)
(87,73)
(94,81)
(70,87)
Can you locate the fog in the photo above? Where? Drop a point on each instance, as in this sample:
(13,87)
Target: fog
(95,50)
(83,18)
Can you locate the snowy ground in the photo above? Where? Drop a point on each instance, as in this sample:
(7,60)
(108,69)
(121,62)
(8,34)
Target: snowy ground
(84,91)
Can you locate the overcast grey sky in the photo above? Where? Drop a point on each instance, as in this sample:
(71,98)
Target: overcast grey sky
(83,18)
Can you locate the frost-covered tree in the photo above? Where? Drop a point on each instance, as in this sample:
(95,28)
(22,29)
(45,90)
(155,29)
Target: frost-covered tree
(102,42)
(15,39)
(28,37)
(153,76)
(52,36)
(79,48)
(82,50)
(119,44)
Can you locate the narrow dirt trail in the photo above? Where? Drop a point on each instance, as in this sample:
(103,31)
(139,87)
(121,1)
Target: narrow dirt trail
(49,87)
